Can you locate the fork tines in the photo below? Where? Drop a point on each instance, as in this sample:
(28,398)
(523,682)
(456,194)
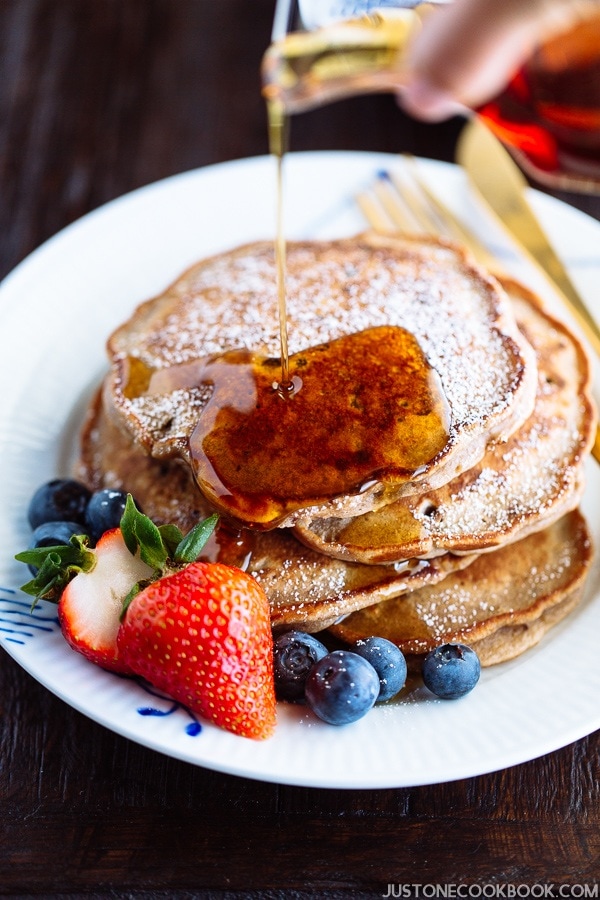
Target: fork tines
(401,200)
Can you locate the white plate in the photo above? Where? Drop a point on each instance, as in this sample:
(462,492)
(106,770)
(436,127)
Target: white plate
(57,308)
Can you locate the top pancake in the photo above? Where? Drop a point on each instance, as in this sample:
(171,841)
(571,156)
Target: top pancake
(460,317)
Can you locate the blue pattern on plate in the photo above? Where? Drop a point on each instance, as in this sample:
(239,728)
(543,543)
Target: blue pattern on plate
(194,728)
(19,622)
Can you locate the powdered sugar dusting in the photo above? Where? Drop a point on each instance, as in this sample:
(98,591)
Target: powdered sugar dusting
(305,586)
(456,606)
(537,475)
(519,486)
(170,418)
(497,501)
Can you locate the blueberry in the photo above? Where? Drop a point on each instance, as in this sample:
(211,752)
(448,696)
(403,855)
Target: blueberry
(52,534)
(341,687)
(104,511)
(388,661)
(294,654)
(451,671)
(60,500)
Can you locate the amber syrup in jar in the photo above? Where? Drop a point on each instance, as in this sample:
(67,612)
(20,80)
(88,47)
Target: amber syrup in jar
(550,111)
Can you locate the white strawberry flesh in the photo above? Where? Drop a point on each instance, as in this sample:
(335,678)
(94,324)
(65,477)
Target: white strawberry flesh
(90,607)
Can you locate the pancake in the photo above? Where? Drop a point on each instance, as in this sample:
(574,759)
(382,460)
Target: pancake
(501,605)
(519,487)
(158,387)
(305,589)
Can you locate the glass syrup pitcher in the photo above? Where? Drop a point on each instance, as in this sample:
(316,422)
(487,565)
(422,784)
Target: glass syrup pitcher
(549,113)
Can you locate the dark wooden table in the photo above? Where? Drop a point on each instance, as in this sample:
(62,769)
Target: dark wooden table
(98,97)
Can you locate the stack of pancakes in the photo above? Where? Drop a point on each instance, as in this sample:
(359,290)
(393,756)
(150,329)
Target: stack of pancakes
(480,542)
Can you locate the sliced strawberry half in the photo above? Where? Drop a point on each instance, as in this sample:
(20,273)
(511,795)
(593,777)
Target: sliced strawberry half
(141,603)
(93,586)
(90,607)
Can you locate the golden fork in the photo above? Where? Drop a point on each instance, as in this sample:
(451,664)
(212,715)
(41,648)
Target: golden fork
(401,201)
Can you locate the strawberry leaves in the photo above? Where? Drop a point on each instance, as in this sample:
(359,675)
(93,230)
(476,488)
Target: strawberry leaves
(56,566)
(190,547)
(140,533)
(160,545)
(163,547)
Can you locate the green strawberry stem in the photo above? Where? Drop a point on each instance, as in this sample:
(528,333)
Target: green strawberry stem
(190,547)
(56,566)
(163,548)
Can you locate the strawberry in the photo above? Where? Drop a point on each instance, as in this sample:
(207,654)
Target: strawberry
(90,586)
(90,606)
(140,603)
(203,635)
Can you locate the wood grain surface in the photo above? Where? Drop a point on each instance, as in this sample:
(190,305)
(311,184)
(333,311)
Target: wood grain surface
(98,97)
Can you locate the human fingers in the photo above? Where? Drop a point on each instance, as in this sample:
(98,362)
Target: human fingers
(467,51)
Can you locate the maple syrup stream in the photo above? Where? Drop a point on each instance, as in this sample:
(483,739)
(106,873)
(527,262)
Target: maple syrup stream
(278,140)
(258,451)
(382,410)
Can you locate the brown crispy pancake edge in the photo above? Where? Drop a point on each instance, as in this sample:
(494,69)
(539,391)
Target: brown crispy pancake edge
(453,610)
